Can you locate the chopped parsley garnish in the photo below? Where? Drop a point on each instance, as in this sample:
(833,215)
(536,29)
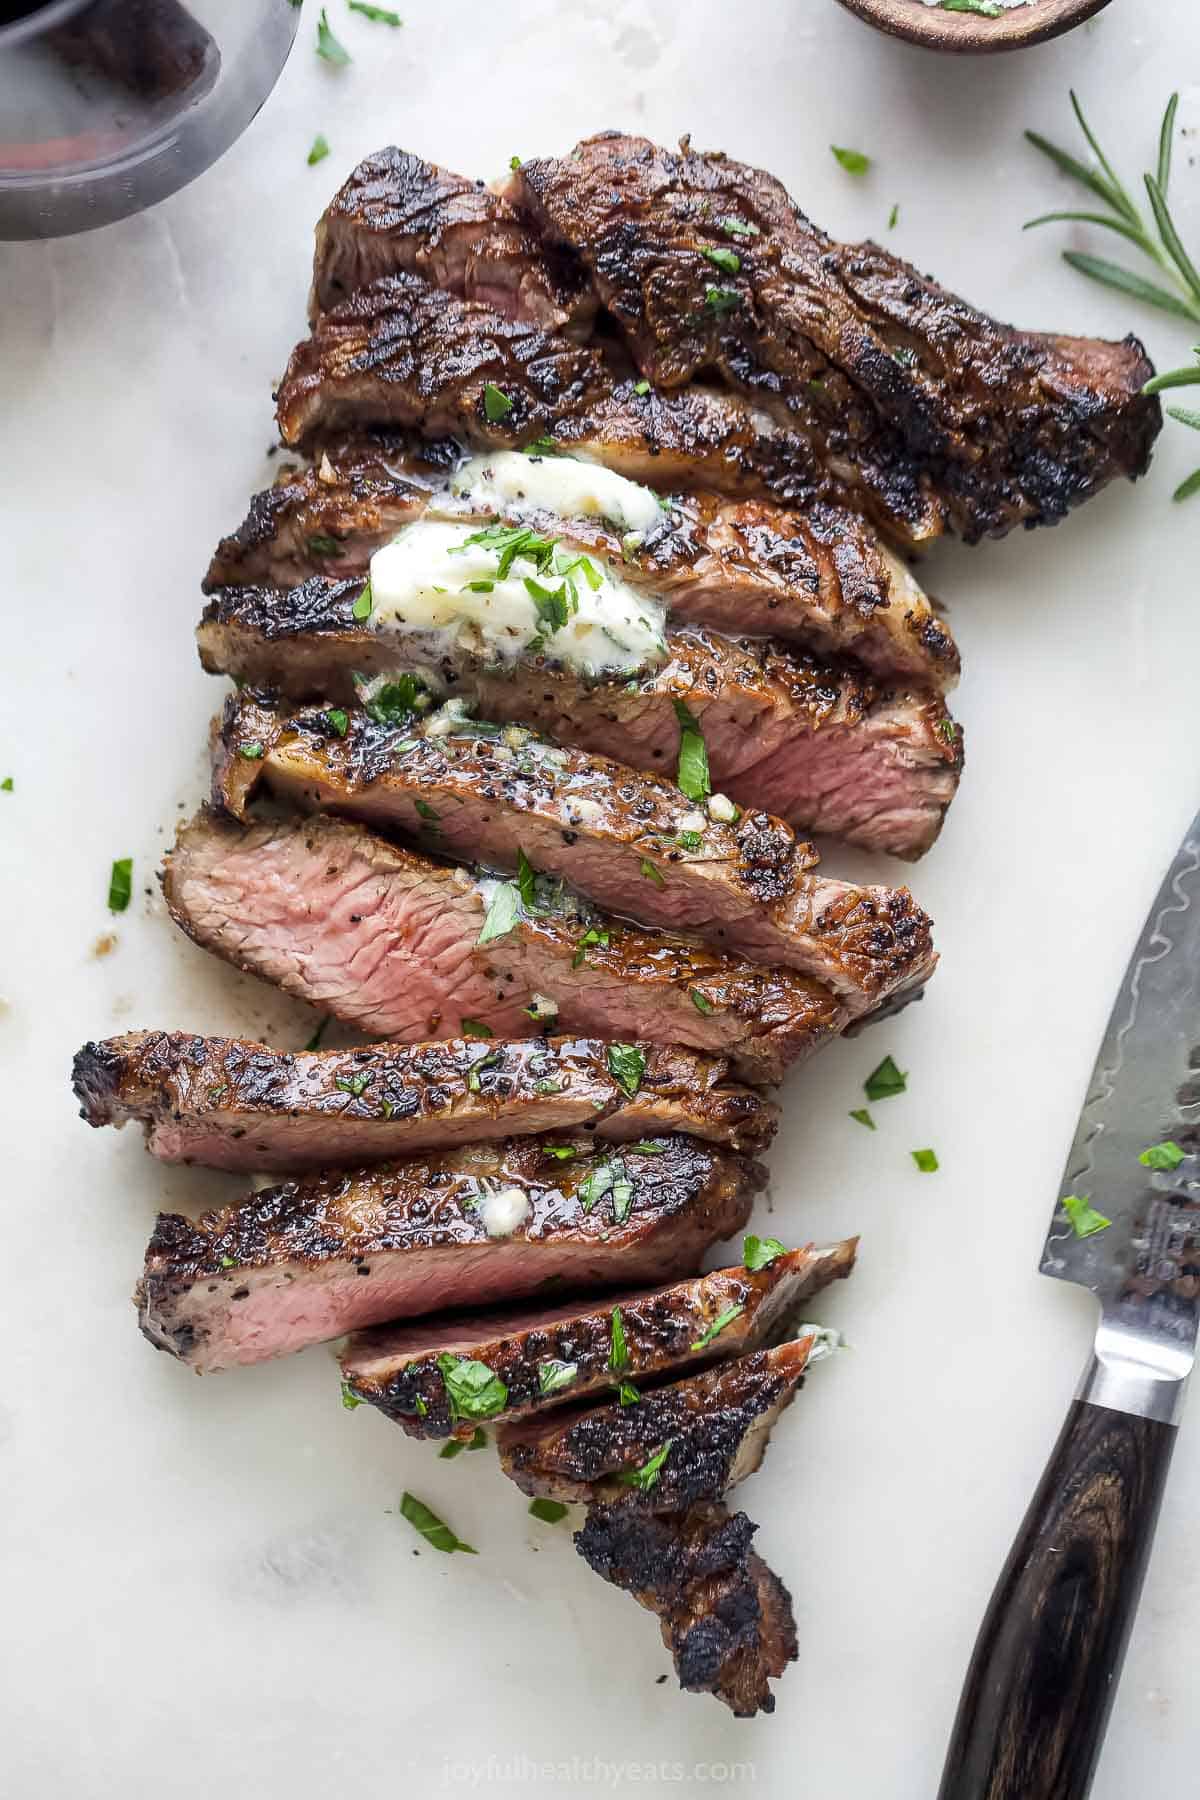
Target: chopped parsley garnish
(6,786)
(595,1184)
(496,403)
(739,228)
(542,446)
(690,840)
(328,46)
(322,545)
(651,873)
(729,260)
(554,1375)
(551,1084)
(314,1042)
(554,605)
(647,1149)
(395,702)
(593,936)
(701,1002)
(1162,1156)
(120,884)
(363,605)
(692,777)
(476,1392)
(626,1065)
(641,388)
(893,216)
(456,1446)
(426,811)
(627,1394)
(618,1349)
(560,1152)
(436,1534)
(948,729)
(339,720)
(251,750)
(475,1028)
(514,163)
(722,300)
(987,9)
(718,1325)
(760,1253)
(885,1081)
(861,1116)
(646,1477)
(550,1512)
(1085,1220)
(230,1262)
(353,1084)
(853,161)
(502,914)
(926,1161)
(480,587)
(349,1398)
(379,14)
(526,880)
(319,151)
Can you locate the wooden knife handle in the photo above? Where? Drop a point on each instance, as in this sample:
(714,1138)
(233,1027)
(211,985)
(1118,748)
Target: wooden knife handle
(1041,1683)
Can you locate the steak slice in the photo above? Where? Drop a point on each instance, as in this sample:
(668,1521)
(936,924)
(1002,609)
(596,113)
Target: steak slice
(726,1618)
(229,1104)
(568,1351)
(402,353)
(389,941)
(818,744)
(630,842)
(689,1441)
(301,1263)
(399,214)
(998,427)
(744,567)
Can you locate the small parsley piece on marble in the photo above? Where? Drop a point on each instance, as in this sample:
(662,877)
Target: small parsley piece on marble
(120,884)
(853,161)
(926,1161)
(319,151)
(1085,1220)
(436,1533)
(380,15)
(456,1446)
(884,1081)
(328,46)
(550,1512)
(349,1398)
(861,1116)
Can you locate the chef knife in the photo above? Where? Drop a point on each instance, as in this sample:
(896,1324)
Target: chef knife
(1041,1683)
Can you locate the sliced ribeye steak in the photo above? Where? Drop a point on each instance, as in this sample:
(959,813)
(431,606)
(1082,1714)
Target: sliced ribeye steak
(229,1104)
(546,1356)
(726,1618)
(818,744)
(309,1260)
(689,1441)
(994,427)
(408,949)
(745,567)
(399,214)
(630,842)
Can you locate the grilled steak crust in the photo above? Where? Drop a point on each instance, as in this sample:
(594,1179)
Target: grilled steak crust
(818,744)
(307,1261)
(713,1425)
(230,1104)
(988,426)
(616,836)
(402,353)
(744,567)
(726,1618)
(387,941)
(400,214)
(564,1353)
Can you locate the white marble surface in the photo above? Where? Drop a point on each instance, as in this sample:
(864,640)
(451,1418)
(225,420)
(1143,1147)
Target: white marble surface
(205,1585)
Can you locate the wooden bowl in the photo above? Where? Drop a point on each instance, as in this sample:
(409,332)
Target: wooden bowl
(938,30)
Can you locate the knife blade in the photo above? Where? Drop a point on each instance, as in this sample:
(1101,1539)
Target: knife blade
(1044,1673)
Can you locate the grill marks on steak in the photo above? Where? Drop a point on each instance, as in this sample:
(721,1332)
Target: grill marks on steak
(400,214)
(387,940)
(230,1104)
(725,1617)
(984,426)
(401,353)
(614,835)
(309,1260)
(818,744)
(713,1427)
(569,1347)
(742,567)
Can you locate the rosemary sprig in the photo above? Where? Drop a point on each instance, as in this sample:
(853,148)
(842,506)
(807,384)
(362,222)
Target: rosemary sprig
(1159,241)
(1188,376)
